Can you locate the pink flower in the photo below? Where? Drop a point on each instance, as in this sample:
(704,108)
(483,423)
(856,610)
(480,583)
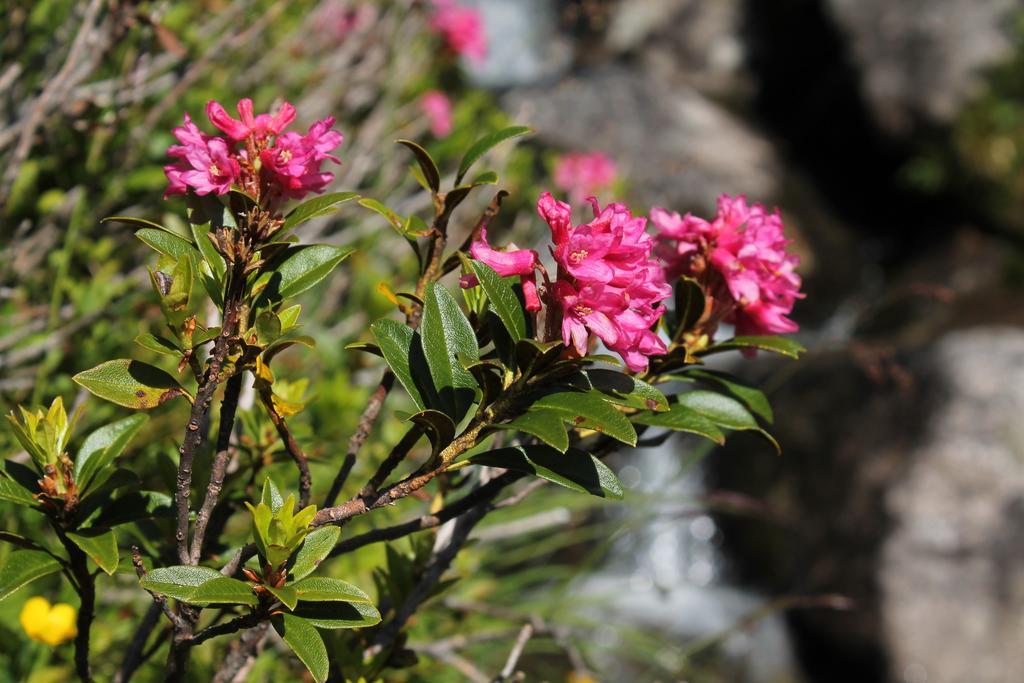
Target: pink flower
(261,126)
(608,283)
(293,162)
(741,256)
(461,27)
(438,110)
(582,175)
(521,262)
(203,163)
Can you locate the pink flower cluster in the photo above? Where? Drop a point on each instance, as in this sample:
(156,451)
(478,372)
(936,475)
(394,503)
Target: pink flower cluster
(255,154)
(608,284)
(438,109)
(741,251)
(583,175)
(461,27)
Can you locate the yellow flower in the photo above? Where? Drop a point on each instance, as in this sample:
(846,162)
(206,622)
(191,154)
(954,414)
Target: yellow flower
(46,623)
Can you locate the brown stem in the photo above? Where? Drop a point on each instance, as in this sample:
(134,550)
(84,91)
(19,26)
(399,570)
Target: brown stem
(242,653)
(228,408)
(292,446)
(394,459)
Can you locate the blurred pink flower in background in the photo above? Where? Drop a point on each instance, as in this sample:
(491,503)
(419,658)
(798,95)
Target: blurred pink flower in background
(461,27)
(582,175)
(438,110)
(339,18)
(744,246)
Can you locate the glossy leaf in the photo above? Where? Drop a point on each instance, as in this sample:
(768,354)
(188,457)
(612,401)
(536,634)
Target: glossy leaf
(167,243)
(286,594)
(430,173)
(322,205)
(439,427)
(682,419)
(222,590)
(338,614)
(724,411)
(689,301)
(23,567)
(753,398)
(179,581)
(317,546)
(325,589)
(574,469)
(100,545)
(102,446)
(15,493)
(201,234)
(302,268)
(780,345)
(484,145)
(627,390)
(390,216)
(305,642)
(546,425)
(502,295)
(588,410)
(130,383)
(157,344)
(140,222)
(397,342)
(447,336)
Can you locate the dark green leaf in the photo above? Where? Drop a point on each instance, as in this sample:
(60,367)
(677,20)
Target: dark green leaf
(324,589)
(222,590)
(23,567)
(427,165)
(502,295)
(132,506)
(484,144)
(317,206)
(627,390)
(315,548)
(19,541)
(167,243)
(546,425)
(574,469)
(440,428)
(753,398)
(104,445)
(689,300)
(301,268)
(201,234)
(130,383)
(305,642)
(141,222)
(681,419)
(100,545)
(590,411)
(15,493)
(397,342)
(724,411)
(447,336)
(780,345)
(22,474)
(179,581)
(338,614)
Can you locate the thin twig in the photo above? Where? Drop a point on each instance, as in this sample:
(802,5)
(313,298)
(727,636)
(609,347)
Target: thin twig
(513,657)
(133,657)
(366,421)
(291,446)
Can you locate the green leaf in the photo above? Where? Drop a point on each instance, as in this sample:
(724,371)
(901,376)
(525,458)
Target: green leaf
(157,344)
(588,410)
(338,614)
(323,205)
(271,495)
(440,428)
(167,243)
(682,419)
(201,234)
(427,165)
(305,642)
(485,178)
(390,216)
(301,268)
(179,581)
(104,445)
(447,336)
(141,222)
(724,411)
(627,390)
(780,345)
(574,469)
(100,545)
(19,541)
(289,316)
(324,589)
(23,567)
(286,594)
(268,327)
(546,425)
(130,383)
(222,590)
(690,302)
(753,398)
(315,548)
(15,493)
(397,342)
(502,295)
(484,144)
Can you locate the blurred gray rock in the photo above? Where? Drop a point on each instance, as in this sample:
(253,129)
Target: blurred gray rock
(675,146)
(524,46)
(924,57)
